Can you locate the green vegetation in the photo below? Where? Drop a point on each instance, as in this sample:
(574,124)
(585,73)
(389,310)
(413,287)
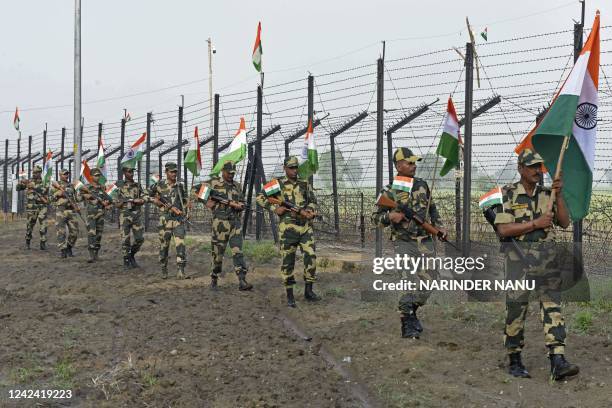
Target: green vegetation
(260,252)
(583,321)
(63,374)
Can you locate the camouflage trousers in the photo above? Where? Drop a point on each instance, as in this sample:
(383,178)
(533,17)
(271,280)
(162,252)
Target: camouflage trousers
(131,222)
(65,221)
(40,215)
(293,236)
(226,232)
(95,228)
(169,229)
(415,248)
(548,292)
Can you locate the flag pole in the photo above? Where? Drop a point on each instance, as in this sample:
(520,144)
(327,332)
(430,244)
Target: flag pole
(558,171)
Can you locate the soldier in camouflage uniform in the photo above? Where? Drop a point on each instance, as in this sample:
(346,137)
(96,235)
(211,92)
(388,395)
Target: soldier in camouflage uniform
(524,215)
(171,197)
(37,197)
(295,230)
(66,209)
(96,202)
(408,237)
(130,199)
(226,225)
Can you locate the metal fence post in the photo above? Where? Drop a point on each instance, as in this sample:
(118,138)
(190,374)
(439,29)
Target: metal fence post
(121,150)
(216,131)
(258,162)
(29,157)
(147,210)
(380,99)
(5,181)
(179,149)
(44,149)
(467,148)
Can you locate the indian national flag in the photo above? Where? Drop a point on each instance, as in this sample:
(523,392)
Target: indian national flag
(573,114)
(193,159)
(485,34)
(111,190)
(23,175)
(85,177)
(134,153)
(450,140)
(272,187)
(237,149)
(154,178)
(257,50)
(47,172)
(16,119)
(402,183)
(493,197)
(310,156)
(204,192)
(101,162)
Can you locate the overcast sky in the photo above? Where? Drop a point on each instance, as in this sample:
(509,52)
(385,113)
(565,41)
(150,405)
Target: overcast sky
(134,46)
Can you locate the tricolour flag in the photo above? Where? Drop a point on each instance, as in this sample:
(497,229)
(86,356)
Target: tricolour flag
(257,50)
(204,192)
(101,162)
(47,172)
(134,153)
(402,183)
(573,114)
(450,139)
(237,149)
(493,197)
(111,190)
(193,159)
(272,187)
(84,177)
(16,119)
(485,34)
(154,178)
(310,156)
(23,175)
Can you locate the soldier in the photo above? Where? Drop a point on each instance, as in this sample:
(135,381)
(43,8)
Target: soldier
(226,226)
(66,208)
(171,197)
(37,205)
(130,199)
(524,215)
(295,228)
(408,237)
(97,202)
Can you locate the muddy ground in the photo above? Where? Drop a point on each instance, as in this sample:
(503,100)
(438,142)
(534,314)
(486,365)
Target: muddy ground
(120,339)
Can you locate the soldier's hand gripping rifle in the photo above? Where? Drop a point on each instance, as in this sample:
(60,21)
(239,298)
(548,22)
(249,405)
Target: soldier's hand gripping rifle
(292,207)
(235,205)
(180,214)
(527,259)
(71,199)
(30,187)
(106,202)
(385,201)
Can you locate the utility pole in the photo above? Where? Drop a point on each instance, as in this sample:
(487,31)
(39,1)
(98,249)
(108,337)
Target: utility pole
(467,148)
(77,90)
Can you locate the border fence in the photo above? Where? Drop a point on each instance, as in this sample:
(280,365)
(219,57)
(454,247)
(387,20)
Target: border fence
(360,115)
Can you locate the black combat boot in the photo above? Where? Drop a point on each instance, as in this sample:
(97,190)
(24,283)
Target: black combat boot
(418,324)
(561,368)
(28,244)
(126,263)
(91,256)
(63,253)
(242,283)
(409,326)
(213,283)
(69,251)
(180,272)
(309,295)
(164,272)
(43,246)
(290,298)
(95,254)
(516,367)
(132,260)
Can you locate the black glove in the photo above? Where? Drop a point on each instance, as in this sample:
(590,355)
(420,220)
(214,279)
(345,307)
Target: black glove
(406,210)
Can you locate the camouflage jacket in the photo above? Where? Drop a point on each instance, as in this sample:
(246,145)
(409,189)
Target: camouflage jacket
(92,199)
(127,191)
(297,192)
(417,199)
(519,207)
(170,194)
(67,199)
(36,193)
(230,191)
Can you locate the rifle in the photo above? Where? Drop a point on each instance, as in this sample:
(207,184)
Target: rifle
(70,199)
(30,187)
(289,205)
(224,200)
(180,215)
(106,203)
(528,260)
(385,202)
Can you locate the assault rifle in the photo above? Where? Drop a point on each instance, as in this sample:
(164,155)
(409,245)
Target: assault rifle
(527,259)
(290,206)
(71,199)
(385,201)
(225,201)
(30,187)
(106,203)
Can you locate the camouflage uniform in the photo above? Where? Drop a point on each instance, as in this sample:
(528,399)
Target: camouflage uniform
(170,225)
(65,216)
(519,207)
(130,217)
(295,231)
(95,213)
(226,227)
(36,207)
